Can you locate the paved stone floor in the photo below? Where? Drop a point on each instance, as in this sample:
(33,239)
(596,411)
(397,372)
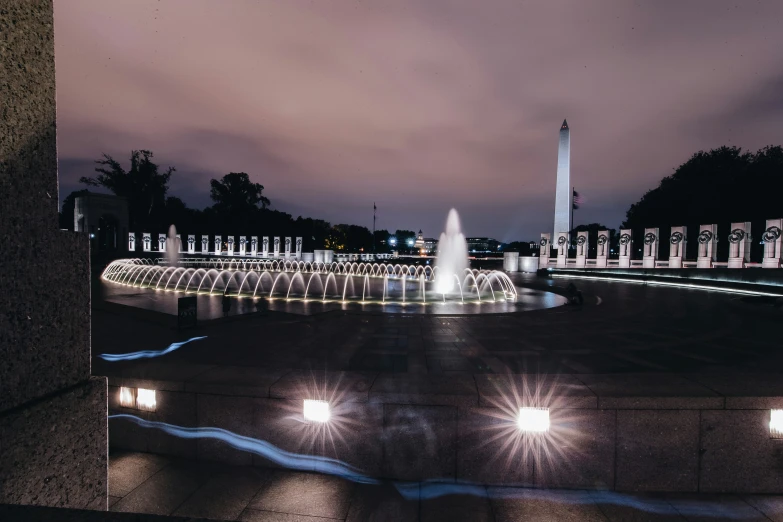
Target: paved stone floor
(621,328)
(146,483)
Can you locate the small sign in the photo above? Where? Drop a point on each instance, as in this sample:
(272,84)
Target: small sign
(187,312)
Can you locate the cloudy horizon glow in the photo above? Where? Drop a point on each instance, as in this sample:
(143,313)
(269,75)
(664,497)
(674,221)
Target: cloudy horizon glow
(417,106)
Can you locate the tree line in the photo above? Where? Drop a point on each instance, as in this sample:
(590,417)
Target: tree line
(239,207)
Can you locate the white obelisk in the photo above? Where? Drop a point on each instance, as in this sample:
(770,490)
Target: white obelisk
(563,191)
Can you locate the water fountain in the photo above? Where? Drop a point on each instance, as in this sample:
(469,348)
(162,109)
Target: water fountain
(451,280)
(338,281)
(452,256)
(172,247)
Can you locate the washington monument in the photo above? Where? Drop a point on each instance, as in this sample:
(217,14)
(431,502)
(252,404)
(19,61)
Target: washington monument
(563,190)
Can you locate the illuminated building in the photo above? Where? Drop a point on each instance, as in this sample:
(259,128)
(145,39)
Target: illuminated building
(419,243)
(482,245)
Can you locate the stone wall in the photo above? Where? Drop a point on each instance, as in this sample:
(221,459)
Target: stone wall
(624,432)
(52,414)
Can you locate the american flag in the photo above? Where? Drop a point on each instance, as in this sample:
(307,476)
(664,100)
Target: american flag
(577,200)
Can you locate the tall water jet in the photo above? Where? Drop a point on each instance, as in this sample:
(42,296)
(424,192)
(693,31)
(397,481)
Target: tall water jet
(172,247)
(452,255)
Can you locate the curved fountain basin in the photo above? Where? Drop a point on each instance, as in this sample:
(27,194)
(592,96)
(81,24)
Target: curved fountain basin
(365,283)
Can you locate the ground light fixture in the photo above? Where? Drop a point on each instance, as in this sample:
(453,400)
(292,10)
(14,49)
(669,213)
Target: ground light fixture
(145,399)
(127,397)
(533,420)
(776,424)
(316,411)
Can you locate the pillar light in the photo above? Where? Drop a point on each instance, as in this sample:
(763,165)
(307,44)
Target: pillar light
(776,424)
(534,420)
(316,411)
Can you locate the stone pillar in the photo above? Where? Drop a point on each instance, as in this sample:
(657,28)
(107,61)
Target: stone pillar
(308,257)
(677,240)
(242,245)
(131,241)
(218,245)
(772,240)
(581,249)
(191,243)
(287,247)
(265,246)
(602,249)
(276,247)
(626,248)
(739,244)
(528,264)
(161,242)
(204,244)
(253,246)
(511,261)
(650,252)
(544,247)
(299,248)
(318,256)
(178,242)
(53,428)
(328,256)
(562,249)
(230,245)
(708,237)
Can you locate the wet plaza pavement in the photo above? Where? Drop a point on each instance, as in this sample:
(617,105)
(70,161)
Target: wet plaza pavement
(146,483)
(627,341)
(621,328)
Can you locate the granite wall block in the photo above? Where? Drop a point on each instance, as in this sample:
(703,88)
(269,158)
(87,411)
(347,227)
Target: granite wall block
(54,452)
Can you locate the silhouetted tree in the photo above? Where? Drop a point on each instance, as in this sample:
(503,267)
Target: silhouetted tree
(404,239)
(312,231)
(592,234)
(235,193)
(382,241)
(142,185)
(721,186)
(354,238)
(241,206)
(336,239)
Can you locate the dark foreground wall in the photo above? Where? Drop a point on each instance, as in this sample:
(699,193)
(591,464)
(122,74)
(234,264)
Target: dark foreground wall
(626,432)
(53,446)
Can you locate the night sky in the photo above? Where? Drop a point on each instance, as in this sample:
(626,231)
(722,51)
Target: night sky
(417,105)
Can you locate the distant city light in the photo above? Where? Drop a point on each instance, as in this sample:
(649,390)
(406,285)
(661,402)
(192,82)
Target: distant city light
(533,419)
(316,411)
(776,424)
(127,399)
(393,241)
(145,399)
(410,242)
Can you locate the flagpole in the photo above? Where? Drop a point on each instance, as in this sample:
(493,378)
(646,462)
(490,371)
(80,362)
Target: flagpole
(374,208)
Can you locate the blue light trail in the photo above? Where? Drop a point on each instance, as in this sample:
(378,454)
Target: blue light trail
(148,354)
